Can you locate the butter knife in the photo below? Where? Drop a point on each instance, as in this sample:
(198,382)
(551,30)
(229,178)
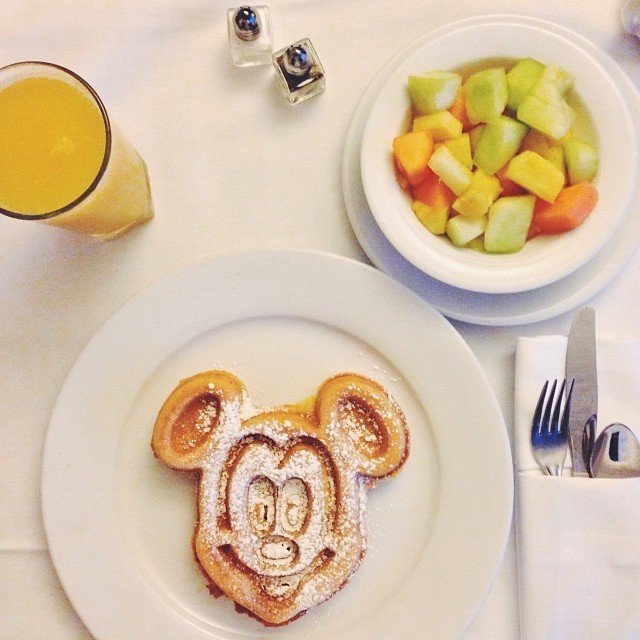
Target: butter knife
(581,365)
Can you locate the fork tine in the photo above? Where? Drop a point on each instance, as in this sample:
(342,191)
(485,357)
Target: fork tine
(556,423)
(549,428)
(537,416)
(546,420)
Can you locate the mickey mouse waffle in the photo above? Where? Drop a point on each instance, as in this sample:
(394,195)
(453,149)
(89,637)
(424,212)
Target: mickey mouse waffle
(282,492)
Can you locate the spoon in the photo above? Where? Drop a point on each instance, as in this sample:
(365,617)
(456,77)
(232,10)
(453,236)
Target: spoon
(616,453)
(588,441)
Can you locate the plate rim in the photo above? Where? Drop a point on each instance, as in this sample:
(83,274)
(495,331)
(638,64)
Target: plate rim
(58,471)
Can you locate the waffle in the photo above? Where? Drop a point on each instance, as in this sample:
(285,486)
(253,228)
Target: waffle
(281,492)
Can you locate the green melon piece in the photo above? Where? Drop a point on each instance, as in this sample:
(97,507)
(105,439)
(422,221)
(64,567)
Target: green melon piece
(581,160)
(486,94)
(554,120)
(521,78)
(461,229)
(449,169)
(545,108)
(498,143)
(553,84)
(508,224)
(433,91)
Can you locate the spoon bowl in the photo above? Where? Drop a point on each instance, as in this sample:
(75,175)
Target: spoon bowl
(616,453)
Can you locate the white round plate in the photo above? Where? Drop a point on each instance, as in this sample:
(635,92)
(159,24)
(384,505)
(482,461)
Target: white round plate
(120,523)
(463,304)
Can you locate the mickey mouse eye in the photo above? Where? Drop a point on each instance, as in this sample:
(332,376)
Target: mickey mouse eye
(294,505)
(261,504)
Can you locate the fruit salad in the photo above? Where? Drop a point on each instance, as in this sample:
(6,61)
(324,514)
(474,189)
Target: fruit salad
(490,160)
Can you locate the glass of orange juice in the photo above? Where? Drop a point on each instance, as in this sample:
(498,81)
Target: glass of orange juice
(62,161)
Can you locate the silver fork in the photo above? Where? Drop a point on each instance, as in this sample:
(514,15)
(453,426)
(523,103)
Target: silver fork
(550,428)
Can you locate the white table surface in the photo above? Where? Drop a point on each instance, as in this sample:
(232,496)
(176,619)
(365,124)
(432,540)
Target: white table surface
(233,168)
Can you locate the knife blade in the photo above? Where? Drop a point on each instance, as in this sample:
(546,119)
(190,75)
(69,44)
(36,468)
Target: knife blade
(581,365)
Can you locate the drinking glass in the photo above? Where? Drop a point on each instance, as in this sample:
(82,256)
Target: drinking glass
(63,161)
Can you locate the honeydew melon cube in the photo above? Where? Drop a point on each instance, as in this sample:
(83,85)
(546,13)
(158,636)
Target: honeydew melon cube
(582,161)
(475,135)
(477,244)
(449,169)
(442,125)
(461,149)
(480,195)
(536,174)
(553,119)
(508,224)
(553,84)
(498,143)
(461,229)
(433,91)
(520,80)
(432,218)
(486,94)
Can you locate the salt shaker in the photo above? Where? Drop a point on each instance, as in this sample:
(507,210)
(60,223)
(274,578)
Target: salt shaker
(299,70)
(249,35)
(630,16)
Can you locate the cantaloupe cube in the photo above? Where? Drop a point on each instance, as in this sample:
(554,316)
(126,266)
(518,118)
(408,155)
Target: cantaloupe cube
(411,152)
(434,192)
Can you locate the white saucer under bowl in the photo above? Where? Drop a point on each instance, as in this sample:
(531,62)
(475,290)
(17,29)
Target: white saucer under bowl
(490,309)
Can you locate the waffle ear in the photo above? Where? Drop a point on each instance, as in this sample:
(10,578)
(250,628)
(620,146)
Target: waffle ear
(197,408)
(370,423)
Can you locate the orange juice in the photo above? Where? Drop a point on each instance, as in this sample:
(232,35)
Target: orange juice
(53,144)
(61,159)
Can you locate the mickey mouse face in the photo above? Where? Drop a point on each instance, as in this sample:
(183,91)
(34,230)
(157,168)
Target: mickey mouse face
(282,492)
(279,502)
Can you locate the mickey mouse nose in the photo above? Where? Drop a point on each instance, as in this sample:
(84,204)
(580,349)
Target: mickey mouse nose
(278,550)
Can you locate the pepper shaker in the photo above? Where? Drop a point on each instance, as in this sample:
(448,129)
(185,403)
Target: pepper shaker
(249,35)
(299,70)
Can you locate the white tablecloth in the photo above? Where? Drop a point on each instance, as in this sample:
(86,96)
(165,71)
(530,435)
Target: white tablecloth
(233,168)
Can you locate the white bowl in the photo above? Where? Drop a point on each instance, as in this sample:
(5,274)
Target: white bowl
(544,259)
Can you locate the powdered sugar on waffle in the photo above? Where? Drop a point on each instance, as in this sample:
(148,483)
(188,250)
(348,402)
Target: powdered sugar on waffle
(282,493)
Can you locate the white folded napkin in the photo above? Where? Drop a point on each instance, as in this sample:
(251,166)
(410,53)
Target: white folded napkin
(578,539)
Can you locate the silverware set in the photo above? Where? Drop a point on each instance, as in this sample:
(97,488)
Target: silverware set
(567,419)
